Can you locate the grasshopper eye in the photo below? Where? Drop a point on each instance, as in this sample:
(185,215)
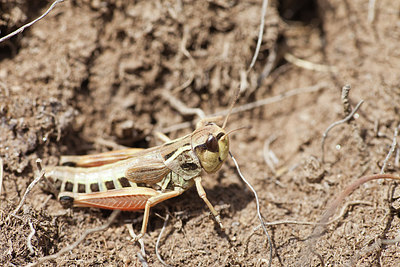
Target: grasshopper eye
(212,143)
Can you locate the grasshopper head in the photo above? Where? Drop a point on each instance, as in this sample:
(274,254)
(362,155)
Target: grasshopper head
(211,145)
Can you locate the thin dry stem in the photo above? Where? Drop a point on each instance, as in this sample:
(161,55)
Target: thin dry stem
(176,127)
(258,208)
(371,10)
(391,241)
(244,84)
(21,29)
(66,249)
(349,189)
(142,260)
(345,99)
(158,241)
(308,65)
(341,214)
(109,143)
(274,99)
(252,105)
(325,135)
(320,228)
(269,156)
(183,45)
(30,187)
(392,149)
(134,237)
(269,65)
(185,84)
(29,239)
(180,106)
(260,34)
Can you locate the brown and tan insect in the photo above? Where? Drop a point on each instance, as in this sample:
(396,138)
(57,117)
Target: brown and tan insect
(137,179)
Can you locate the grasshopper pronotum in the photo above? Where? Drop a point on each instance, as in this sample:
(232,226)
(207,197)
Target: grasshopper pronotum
(137,179)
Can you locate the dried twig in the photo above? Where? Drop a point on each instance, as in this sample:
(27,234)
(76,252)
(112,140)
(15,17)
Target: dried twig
(269,156)
(110,220)
(21,29)
(269,65)
(253,105)
(341,214)
(349,189)
(109,143)
(392,149)
(371,10)
(308,65)
(391,241)
(134,236)
(142,260)
(158,241)
(260,34)
(29,239)
(349,117)
(320,228)
(258,209)
(30,187)
(345,99)
(180,106)
(185,84)
(183,45)
(274,99)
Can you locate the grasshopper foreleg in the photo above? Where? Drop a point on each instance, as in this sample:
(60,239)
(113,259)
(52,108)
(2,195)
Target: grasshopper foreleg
(202,194)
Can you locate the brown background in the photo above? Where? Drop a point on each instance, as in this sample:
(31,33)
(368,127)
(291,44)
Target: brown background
(89,77)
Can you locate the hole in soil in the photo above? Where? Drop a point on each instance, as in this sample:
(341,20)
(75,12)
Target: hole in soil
(6,51)
(299,10)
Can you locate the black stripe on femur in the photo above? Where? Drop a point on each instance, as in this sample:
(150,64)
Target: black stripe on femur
(190,166)
(124,182)
(110,185)
(66,201)
(69,164)
(94,187)
(81,188)
(69,187)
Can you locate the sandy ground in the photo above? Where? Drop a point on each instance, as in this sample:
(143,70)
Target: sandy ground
(92,77)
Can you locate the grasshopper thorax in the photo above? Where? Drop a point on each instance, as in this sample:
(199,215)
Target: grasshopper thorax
(211,145)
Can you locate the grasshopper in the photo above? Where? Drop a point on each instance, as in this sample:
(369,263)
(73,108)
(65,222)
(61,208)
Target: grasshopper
(137,179)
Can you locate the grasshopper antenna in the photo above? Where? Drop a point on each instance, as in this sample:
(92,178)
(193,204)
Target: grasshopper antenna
(260,217)
(238,129)
(235,99)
